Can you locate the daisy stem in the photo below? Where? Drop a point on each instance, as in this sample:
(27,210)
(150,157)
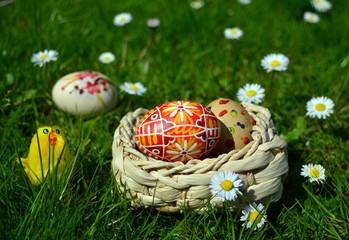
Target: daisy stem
(42,74)
(271,82)
(129,105)
(124,52)
(231,53)
(146,47)
(6,2)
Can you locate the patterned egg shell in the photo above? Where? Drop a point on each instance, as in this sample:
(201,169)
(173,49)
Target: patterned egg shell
(84,93)
(236,125)
(178,131)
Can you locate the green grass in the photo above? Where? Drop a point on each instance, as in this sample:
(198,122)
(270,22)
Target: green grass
(190,59)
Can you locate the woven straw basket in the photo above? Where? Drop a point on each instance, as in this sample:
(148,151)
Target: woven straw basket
(173,186)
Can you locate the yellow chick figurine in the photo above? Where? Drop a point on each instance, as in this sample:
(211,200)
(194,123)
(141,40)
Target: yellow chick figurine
(47,149)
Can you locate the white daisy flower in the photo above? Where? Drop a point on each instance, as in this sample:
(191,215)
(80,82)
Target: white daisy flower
(315,172)
(233,33)
(244,2)
(320,107)
(225,185)
(311,17)
(253,213)
(44,57)
(133,88)
(321,5)
(106,57)
(251,93)
(122,19)
(153,22)
(275,62)
(197,4)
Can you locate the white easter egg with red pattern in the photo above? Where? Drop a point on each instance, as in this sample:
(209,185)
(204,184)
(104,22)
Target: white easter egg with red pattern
(85,93)
(177,131)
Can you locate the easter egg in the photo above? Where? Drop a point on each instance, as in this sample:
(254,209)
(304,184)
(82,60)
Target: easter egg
(177,131)
(236,124)
(84,93)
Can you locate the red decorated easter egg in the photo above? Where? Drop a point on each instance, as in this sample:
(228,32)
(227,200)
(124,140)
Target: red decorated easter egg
(178,131)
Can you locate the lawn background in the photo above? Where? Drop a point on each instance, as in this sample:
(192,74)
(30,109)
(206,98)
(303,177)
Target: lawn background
(189,59)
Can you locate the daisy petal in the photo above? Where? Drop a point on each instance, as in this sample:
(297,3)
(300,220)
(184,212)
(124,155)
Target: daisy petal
(275,62)
(233,33)
(314,172)
(319,107)
(253,214)
(251,93)
(226,185)
(122,19)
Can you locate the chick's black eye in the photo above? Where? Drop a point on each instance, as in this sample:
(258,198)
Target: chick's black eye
(45,131)
(57,131)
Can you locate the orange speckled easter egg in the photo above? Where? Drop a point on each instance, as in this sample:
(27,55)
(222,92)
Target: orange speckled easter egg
(236,125)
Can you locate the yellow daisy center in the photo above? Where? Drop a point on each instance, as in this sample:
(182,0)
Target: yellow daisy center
(43,56)
(133,87)
(314,173)
(227,185)
(107,58)
(275,63)
(122,19)
(233,31)
(253,216)
(251,93)
(320,107)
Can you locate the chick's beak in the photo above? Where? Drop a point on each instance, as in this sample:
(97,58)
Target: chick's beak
(52,138)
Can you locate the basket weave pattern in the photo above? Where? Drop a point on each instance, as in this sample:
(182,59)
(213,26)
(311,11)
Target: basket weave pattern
(171,186)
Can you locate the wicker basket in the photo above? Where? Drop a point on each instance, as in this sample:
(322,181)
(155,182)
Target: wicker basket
(172,186)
